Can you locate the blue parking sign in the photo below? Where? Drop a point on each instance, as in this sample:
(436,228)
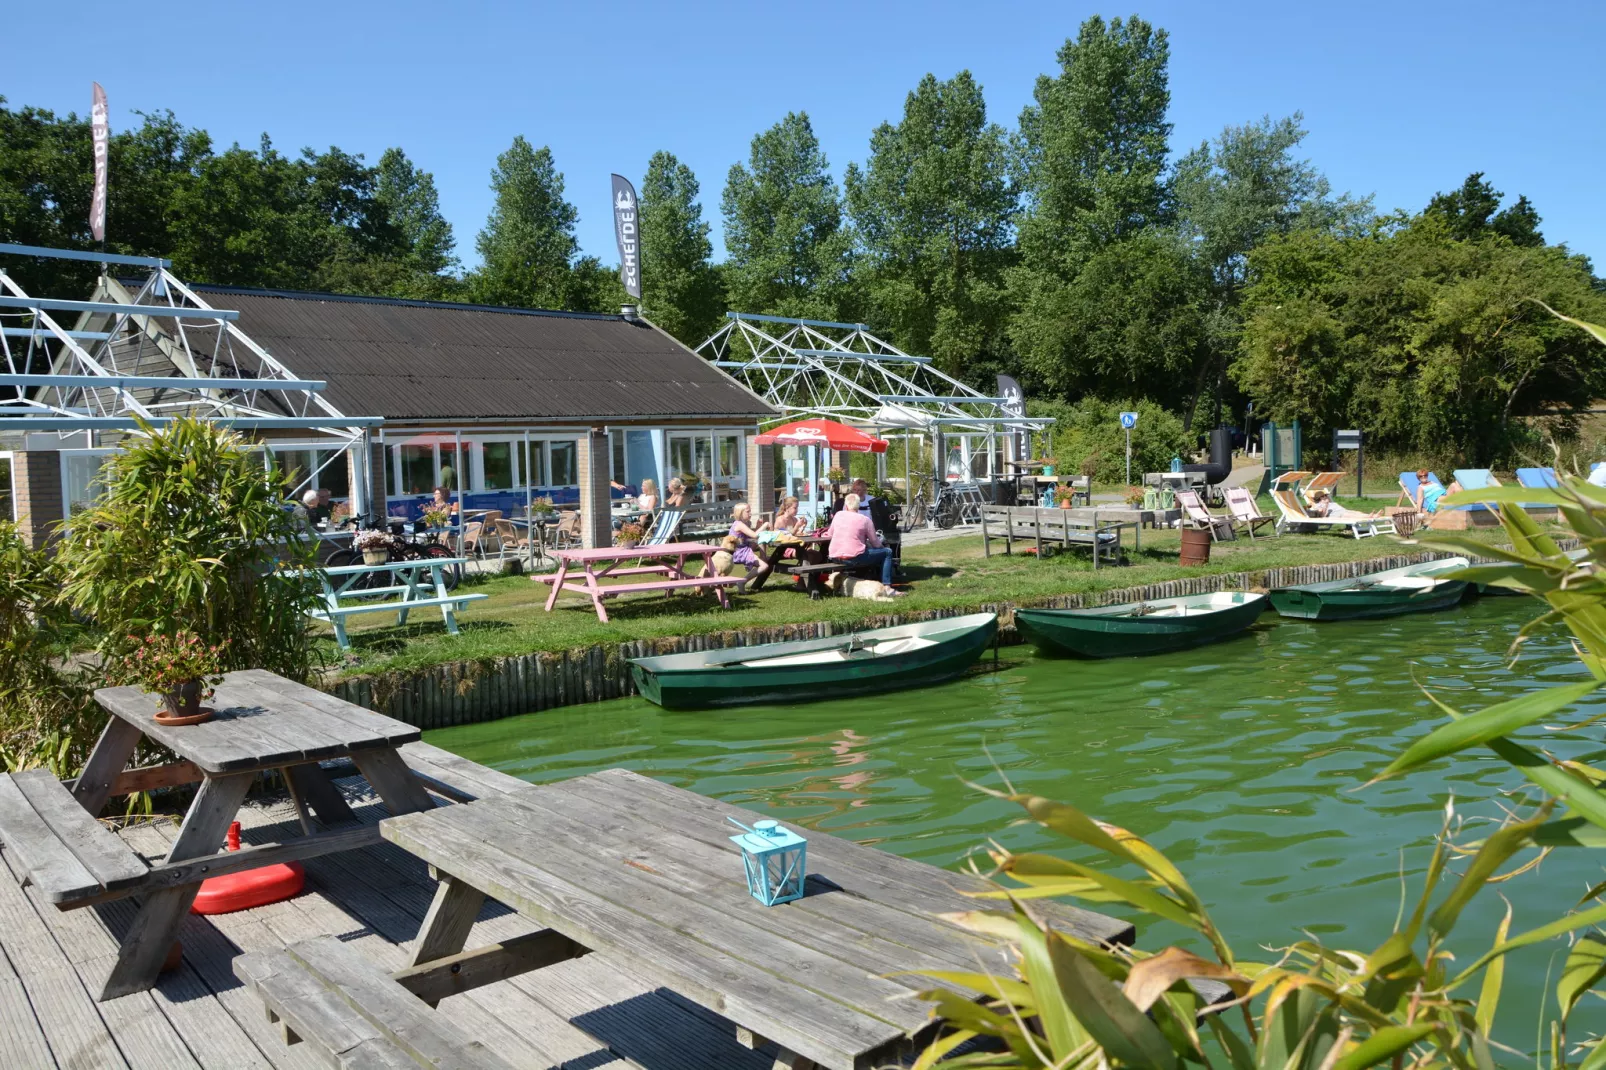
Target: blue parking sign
(1129,420)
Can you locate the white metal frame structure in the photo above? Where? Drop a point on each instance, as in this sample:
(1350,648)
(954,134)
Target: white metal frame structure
(147,354)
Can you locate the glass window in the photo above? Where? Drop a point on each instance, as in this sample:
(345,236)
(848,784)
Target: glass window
(680,456)
(616,440)
(453,475)
(730,455)
(415,469)
(295,466)
(335,476)
(496,465)
(640,463)
(565,470)
(81,478)
(535,467)
(7,508)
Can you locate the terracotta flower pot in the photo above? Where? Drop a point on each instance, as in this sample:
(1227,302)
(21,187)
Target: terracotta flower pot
(185,701)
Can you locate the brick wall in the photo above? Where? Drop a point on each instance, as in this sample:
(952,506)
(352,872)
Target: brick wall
(596,466)
(760,476)
(36,482)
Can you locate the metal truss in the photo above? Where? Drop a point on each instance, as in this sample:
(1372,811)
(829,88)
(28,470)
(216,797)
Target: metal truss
(148,351)
(840,371)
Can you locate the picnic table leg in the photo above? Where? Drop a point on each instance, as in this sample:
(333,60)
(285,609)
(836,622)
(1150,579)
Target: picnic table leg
(339,621)
(557,583)
(451,915)
(412,594)
(595,590)
(402,792)
(111,754)
(313,785)
(150,937)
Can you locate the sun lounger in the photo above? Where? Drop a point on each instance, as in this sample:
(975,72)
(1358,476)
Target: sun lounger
(1540,477)
(1195,515)
(1327,481)
(1284,491)
(1409,484)
(1241,504)
(1475,478)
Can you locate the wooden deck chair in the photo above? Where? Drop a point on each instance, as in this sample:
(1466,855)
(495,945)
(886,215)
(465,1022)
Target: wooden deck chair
(665,526)
(1241,504)
(1196,515)
(1284,491)
(1409,485)
(1327,481)
(1541,477)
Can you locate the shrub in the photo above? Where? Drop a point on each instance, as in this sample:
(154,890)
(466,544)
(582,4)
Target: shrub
(188,535)
(1088,437)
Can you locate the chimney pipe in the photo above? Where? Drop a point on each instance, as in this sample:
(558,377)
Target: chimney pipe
(631,313)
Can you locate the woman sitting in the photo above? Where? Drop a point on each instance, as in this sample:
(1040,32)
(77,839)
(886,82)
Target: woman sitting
(1429,491)
(854,540)
(678,498)
(787,522)
(1322,504)
(745,551)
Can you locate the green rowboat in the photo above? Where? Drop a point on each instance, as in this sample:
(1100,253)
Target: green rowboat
(1142,627)
(1412,589)
(883,659)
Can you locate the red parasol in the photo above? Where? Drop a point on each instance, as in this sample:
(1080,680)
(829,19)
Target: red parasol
(827,433)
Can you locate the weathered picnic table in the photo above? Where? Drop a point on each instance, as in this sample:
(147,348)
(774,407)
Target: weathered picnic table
(351,589)
(263,721)
(669,561)
(644,874)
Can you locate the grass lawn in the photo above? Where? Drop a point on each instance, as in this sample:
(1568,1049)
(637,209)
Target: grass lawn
(948,573)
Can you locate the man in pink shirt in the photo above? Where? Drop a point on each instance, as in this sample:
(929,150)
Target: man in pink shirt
(854,540)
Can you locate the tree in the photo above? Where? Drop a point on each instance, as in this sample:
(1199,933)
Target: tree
(1229,196)
(680,289)
(409,197)
(1093,144)
(932,209)
(1474,211)
(788,252)
(594,287)
(1134,322)
(1433,344)
(528,241)
(1092,151)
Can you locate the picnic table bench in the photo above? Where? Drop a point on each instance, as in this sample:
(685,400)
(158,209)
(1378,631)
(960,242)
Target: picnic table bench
(706,520)
(349,589)
(669,559)
(643,874)
(1056,526)
(263,721)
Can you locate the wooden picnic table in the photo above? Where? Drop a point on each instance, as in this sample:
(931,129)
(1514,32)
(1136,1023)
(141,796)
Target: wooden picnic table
(645,875)
(263,721)
(810,551)
(669,559)
(349,589)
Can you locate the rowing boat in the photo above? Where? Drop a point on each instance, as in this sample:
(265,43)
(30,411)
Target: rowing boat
(1413,589)
(1142,627)
(882,659)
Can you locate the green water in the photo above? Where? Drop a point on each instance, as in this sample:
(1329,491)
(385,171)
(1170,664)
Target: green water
(1242,761)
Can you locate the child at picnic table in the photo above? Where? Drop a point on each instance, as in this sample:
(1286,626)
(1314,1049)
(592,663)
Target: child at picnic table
(745,537)
(787,521)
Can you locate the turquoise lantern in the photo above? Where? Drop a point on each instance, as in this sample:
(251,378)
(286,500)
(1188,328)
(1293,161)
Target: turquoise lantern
(775,859)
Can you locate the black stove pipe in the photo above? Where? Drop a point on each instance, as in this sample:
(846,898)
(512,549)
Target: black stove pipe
(1220,457)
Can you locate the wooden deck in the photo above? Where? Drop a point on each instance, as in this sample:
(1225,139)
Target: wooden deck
(200,1016)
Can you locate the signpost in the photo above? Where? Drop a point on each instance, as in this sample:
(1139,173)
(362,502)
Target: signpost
(1350,440)
(1129,420)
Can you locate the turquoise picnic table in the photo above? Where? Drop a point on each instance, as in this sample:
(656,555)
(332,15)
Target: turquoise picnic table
(349,589)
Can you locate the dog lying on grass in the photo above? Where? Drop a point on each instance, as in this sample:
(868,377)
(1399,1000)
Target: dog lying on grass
(855,587)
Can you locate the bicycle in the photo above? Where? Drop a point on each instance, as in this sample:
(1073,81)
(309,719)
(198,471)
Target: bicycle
(398,548)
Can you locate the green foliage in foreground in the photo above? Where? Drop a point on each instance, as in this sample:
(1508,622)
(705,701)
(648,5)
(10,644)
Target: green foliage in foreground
(1407,1001)
(186,537)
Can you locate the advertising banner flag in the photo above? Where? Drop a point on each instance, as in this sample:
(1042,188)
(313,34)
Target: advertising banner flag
(100,130)
(627,232)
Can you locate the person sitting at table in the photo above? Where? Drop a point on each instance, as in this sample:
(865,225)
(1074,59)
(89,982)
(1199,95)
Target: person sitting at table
(647,500)
(746,536)
(854,540)
(302,510)
(787,522)
(442,501)
(678,497)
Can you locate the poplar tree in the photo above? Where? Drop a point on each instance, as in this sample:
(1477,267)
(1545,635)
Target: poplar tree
(680,290)
(528,242)
(788,252)
(409,195)
(932,209)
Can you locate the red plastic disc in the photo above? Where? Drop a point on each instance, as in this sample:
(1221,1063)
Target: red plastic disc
(253,888)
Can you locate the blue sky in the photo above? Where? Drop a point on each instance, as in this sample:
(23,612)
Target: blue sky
(1401,99)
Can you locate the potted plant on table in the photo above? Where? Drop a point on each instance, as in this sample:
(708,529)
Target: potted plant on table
(373,545)
(629,534)
(182,669)
(436,518)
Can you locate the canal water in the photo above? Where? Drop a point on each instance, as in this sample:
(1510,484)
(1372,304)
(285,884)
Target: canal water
(1243,761)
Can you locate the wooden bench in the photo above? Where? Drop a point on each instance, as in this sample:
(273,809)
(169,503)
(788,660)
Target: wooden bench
(453,777)
(814,575)
(706,520)
(66,852)
(1052,526)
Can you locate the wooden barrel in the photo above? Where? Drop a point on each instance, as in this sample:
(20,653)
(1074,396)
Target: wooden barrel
(1195,547)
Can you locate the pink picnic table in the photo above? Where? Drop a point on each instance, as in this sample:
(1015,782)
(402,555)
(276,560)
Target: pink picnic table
(668,561)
